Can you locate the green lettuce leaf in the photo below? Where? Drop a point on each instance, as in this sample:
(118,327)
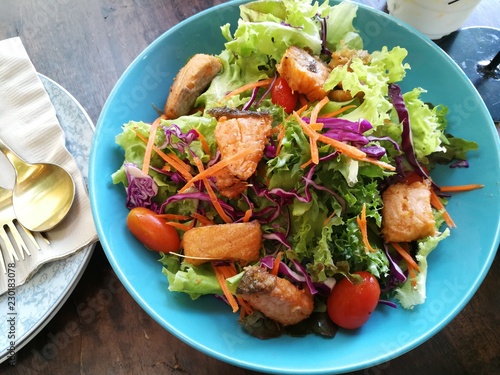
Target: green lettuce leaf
(408,295)
(340,28)
(372,79)
(454,149)
(425,125)
(185,278)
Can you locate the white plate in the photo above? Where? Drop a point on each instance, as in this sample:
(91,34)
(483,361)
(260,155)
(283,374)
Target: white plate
(39,299)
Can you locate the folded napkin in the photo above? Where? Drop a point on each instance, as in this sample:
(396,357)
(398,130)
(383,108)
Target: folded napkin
(29,126)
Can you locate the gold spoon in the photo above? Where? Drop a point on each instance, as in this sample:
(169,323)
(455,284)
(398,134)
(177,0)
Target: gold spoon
(43,193)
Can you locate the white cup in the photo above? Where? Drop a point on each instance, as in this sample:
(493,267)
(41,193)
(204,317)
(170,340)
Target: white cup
(434,18)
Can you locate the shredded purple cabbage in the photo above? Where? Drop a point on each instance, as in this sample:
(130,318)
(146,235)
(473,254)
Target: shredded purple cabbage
(276,236)
(175,176)
(184,139)
(270,150)
(325,288)
(248,104)
(215,159)
(303,271)
(396,274)
(333,123)
(373,151)
(460,164)
(228,209)
(299,276)
(387,303)
(329,157)
(141,188)
(324,33)
(284,270)
(406,137)
(268,89)
(344,130)
(308,180)
(388,139)
(346,136)
(253,98)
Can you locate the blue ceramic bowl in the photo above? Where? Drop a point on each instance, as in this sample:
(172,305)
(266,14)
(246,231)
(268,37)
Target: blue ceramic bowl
(456,268)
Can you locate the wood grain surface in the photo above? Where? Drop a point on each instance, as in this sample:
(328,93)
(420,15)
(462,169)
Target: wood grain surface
(85,46)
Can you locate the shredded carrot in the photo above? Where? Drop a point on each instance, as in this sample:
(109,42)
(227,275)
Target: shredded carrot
(313,145)
(303,100)
(316,126)
(183,227)
(276,264)
(406,256)
(413,276)
(173,216)
(438,205)
(329,218)
(317,108)
(211,193)
(306,164)
(204,143)
(380,163)
(313,137)
(280,137)
(171,159)
(228,271)
(212,171)
(276,129)
(221,271)
(246,308)
(302,109)
(411,266)
(149,145)
(249,86)
(459,188)
(342,147)
(202,219)
(338,111)
(361,219)
(346,149)
(248,215)
(193,257)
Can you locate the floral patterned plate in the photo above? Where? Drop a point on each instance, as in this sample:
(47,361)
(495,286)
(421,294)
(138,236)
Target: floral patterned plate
(39,299)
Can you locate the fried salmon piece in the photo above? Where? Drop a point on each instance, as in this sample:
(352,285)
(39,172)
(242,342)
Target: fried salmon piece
(239,242)
(346,55)
(237,131)
(407,212)
(304,73)
(189,83)
(229,185)
(275,297)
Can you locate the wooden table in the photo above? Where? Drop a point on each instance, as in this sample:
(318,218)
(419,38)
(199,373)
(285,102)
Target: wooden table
(85,46)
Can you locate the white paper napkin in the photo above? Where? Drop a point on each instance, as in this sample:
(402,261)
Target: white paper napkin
(29,126)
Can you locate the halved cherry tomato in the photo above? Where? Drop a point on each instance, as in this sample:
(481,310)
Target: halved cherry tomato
(282,94)
(350,305)
(153,231)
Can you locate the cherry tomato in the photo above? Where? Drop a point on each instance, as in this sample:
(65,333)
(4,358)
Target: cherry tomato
(153,231)
(350,305)
(282,94)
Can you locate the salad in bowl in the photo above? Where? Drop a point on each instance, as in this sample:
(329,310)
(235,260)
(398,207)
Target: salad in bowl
(289,175)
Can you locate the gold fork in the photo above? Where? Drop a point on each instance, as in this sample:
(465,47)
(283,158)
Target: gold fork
(9,230)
